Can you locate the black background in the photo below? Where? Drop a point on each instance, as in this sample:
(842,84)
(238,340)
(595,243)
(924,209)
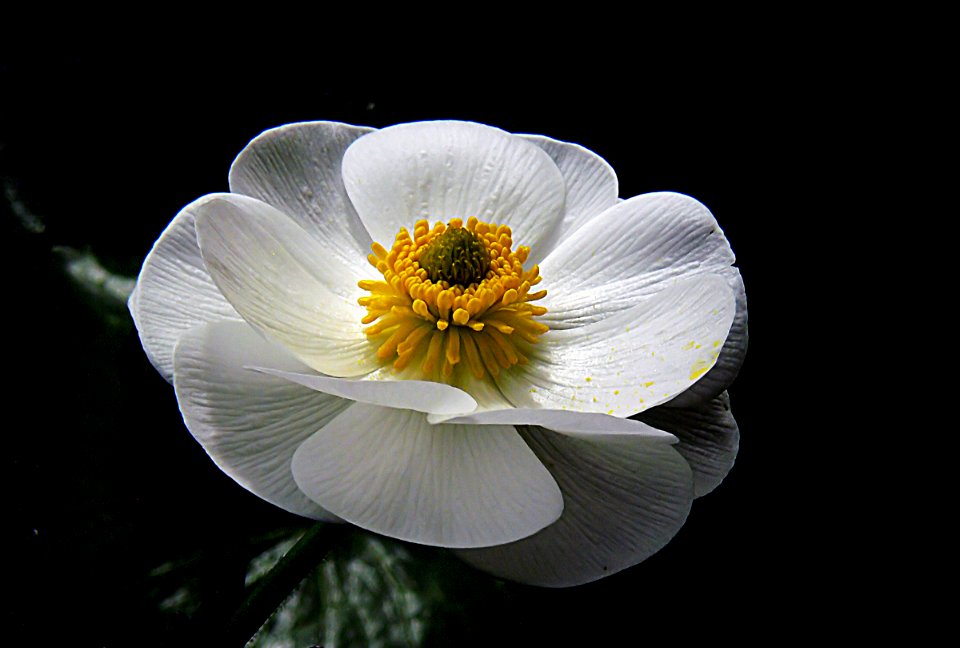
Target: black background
(104,481)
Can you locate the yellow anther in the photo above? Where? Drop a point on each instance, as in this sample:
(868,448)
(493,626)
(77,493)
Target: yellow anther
(381,326)
(474,306)
(367,284)
(498,325)
(379,250)
(537,295)
(461,316)
(420,308)
(509,297)
(445,301)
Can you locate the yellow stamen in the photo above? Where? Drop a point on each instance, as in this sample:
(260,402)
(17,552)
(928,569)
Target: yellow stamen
(453,346)
(433,353)
(486,354)
(473,356)
(426,314)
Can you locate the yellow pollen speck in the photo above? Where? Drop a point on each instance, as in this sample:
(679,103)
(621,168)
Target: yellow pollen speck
(469,306)
(648,384)
(616,392)
(688,346)
(589,378)
(699,368)
(716,343)
(595,399)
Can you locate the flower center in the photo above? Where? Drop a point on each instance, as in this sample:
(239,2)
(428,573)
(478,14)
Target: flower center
(457,256)
(453,296)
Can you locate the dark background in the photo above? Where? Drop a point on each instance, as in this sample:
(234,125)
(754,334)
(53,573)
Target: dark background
(112,506)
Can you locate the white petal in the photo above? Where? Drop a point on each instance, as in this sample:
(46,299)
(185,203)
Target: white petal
(296,168)
(709,439)
(417,395)
(731,357)
(624,499)
(249,423)
(630,361)
(585,424)
(285,283)
(442,170)
(591,182)
(630,251)
(391,472)
(174,292)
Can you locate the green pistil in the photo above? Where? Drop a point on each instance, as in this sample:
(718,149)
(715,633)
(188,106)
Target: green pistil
(457,256)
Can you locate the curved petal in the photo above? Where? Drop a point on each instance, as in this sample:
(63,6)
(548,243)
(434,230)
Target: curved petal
(284,283)
(391,472)
(734,350)
(709,439)
(249,423)
(630,361)
(416,395)
(629,252)
(591,183)
(580,424)
(296,168)
(441,170)
(624,499)
(174,292)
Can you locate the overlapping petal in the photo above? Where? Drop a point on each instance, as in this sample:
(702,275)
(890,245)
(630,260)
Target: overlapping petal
(636,249)
(734,350)
(624,499)
(585,424)
(416,395)
(250,423)
(591,184)
(632,360)
(709,438)
(632,250)
(390,471)
(174,292)
(442,170)
(296,168)
(283,282)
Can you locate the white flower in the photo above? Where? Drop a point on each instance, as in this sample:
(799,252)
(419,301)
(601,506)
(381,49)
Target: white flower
(407,423)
